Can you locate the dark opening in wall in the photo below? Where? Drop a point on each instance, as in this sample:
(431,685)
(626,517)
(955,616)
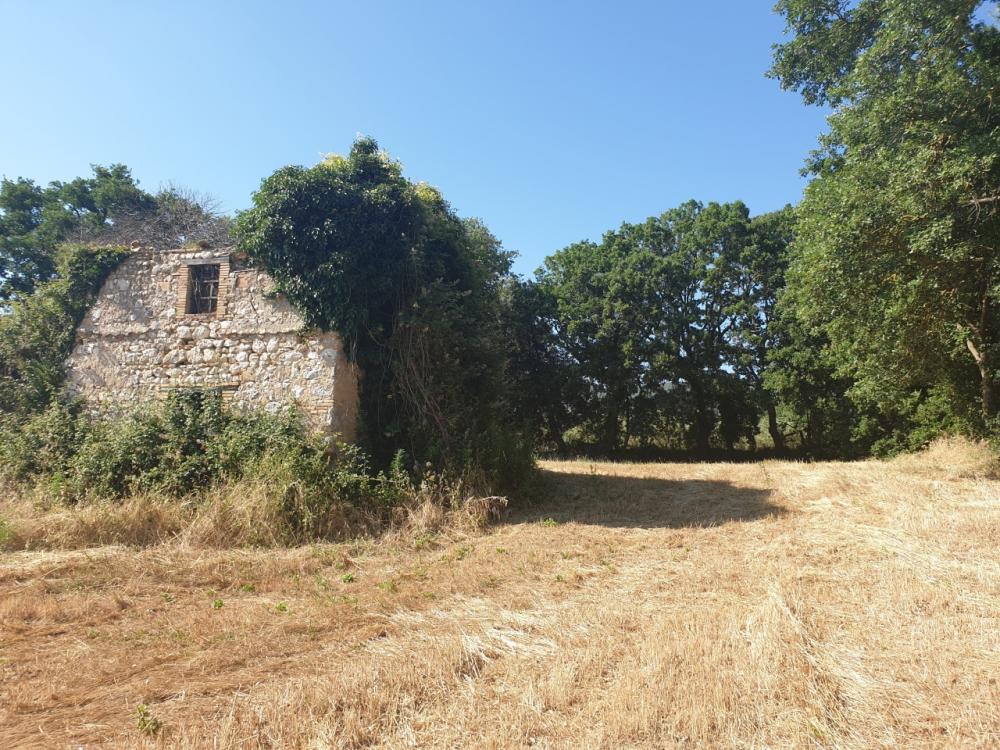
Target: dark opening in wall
(203,288)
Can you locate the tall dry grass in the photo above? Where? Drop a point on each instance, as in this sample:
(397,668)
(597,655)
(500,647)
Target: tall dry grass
(247,513)
(780,604)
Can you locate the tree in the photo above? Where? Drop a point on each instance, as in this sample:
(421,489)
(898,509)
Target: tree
(899,231)
(759,269)
(801,378)
(547,392)
(416,293)
(26,240)
(664,326)
(708,289)
(107,209)
(607,313)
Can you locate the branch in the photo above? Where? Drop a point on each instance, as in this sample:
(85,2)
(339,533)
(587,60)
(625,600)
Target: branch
(985,200)
(976,354)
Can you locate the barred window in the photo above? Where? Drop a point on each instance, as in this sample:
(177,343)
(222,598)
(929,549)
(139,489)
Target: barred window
(203,289)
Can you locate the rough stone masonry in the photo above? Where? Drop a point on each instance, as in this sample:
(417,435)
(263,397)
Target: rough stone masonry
(197,318)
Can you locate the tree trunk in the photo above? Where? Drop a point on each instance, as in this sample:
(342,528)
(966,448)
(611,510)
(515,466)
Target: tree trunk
(556,432)
(702,422)
(772,427)
(991,407)
(982,346)
(987,380)
(628,423)
(612,426)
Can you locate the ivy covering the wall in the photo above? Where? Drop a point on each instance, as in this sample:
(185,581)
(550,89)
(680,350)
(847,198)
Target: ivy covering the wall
(415,291)
(37,334)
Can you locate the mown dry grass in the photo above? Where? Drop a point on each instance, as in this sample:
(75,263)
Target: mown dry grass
(658,605)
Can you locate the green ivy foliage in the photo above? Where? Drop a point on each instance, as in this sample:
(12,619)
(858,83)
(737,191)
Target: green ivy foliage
(416,293)
(37,334)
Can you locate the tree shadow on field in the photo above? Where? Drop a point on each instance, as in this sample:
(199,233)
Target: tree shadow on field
(644,502)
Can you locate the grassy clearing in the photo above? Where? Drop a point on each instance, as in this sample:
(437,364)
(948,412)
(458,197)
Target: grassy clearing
(655,605)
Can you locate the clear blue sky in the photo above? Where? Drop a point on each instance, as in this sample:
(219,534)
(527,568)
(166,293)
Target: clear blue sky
(552,121)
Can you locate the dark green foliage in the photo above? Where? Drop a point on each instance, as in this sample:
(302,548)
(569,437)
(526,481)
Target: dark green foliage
(416,293)
(42,445)
(108,208)
(811,400)
(898,260)
(187,446)
(659,335)
(34,220)
(26,243)
(756,333)
(866,322)
(37,335)
(337,239)
(549,395)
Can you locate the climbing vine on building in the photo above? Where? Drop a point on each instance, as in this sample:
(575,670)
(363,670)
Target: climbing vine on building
(37,335)
(414,290)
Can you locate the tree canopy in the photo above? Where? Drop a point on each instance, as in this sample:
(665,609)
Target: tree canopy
(662,330)
(108,208)
(415,291)
(898,250)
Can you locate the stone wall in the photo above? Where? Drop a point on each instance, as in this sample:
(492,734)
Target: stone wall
(138,341)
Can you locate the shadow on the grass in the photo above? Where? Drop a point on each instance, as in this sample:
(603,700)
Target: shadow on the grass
(647,503)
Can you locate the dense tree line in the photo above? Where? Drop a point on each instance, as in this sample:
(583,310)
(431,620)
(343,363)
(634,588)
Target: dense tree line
(658,334)
(866,319)
(897,263)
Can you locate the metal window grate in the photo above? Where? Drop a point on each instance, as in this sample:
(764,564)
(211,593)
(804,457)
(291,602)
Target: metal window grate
(203,290)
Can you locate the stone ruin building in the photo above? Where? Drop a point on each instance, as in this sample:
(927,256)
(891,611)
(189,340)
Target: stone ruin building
(197,318)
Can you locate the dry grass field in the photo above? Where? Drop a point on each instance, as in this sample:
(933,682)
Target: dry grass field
(764,605)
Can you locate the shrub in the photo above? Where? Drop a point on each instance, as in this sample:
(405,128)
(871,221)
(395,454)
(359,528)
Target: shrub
(194,469)
(42,445)
(186,447)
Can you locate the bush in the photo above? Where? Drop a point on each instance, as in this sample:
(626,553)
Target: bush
(42,445)
(189,446)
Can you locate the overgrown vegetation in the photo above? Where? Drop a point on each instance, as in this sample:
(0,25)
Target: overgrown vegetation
(416,293)
(865,320)
(37,334)
(418,305)
(189,448)
(106,209)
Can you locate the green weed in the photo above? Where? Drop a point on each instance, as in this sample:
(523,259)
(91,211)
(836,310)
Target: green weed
(145,721)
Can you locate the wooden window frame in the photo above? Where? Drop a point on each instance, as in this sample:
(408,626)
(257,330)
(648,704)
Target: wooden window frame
(203,289)
(185,287)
